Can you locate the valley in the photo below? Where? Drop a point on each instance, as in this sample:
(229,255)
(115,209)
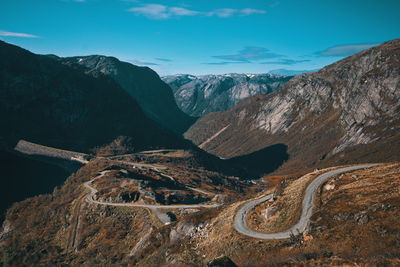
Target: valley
(98,203)
(107,164)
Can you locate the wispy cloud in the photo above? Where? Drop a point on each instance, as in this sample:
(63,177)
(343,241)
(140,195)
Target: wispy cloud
(249,54)
(144,63)
(157,11)
(285,61)
(18,34)
(163,59)
(345,50)
(230,12)
(287,72)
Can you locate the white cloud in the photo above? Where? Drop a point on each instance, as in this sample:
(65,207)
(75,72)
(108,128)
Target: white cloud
(345,50)
(180,11)
(250,11)
(222,12)
(157,11)
(18,34)
(230,12)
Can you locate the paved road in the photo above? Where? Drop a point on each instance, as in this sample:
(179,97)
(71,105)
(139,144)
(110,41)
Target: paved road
(32,148)
(93,191)
(307,206)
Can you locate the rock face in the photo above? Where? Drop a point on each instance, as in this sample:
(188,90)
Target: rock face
(346,112)
(142,84)
(49,103)
(199,95)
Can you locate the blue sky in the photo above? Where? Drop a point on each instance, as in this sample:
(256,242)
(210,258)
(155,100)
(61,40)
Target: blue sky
(203,36)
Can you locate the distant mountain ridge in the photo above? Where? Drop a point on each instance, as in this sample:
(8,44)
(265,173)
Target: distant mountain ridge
(346,112)
(199,95)
(142,84)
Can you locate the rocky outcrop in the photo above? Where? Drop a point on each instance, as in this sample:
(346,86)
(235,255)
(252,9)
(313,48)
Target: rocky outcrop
(130,196)
(5,230)
(348,111)
(199,95)
(222,261)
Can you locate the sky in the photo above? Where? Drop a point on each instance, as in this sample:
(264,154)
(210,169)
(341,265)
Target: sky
(202,36)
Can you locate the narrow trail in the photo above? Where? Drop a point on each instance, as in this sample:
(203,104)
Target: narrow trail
(240,224)
(202,145)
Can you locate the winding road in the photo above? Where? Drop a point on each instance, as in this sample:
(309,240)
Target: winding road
(240,224)
(93,191)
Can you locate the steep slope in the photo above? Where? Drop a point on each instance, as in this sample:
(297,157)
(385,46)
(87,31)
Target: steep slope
(348,111)
(65,228)
(142,84)
(19,183)
(199,95)
(49,103)
(135,194)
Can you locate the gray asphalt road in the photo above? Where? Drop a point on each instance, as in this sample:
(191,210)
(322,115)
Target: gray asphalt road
(93,191)
(307,207)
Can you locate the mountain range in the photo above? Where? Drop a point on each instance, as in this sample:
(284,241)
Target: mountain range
(252,192)
(199,95)
(346,112)
(96,105)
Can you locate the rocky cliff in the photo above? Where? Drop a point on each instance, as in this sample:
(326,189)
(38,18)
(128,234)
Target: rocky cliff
(348,111)
(199,95)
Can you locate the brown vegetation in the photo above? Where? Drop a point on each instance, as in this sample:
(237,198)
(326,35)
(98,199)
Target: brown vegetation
(356,222)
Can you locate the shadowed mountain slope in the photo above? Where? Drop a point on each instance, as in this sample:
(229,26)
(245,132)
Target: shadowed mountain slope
(142,84)
(49,103)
